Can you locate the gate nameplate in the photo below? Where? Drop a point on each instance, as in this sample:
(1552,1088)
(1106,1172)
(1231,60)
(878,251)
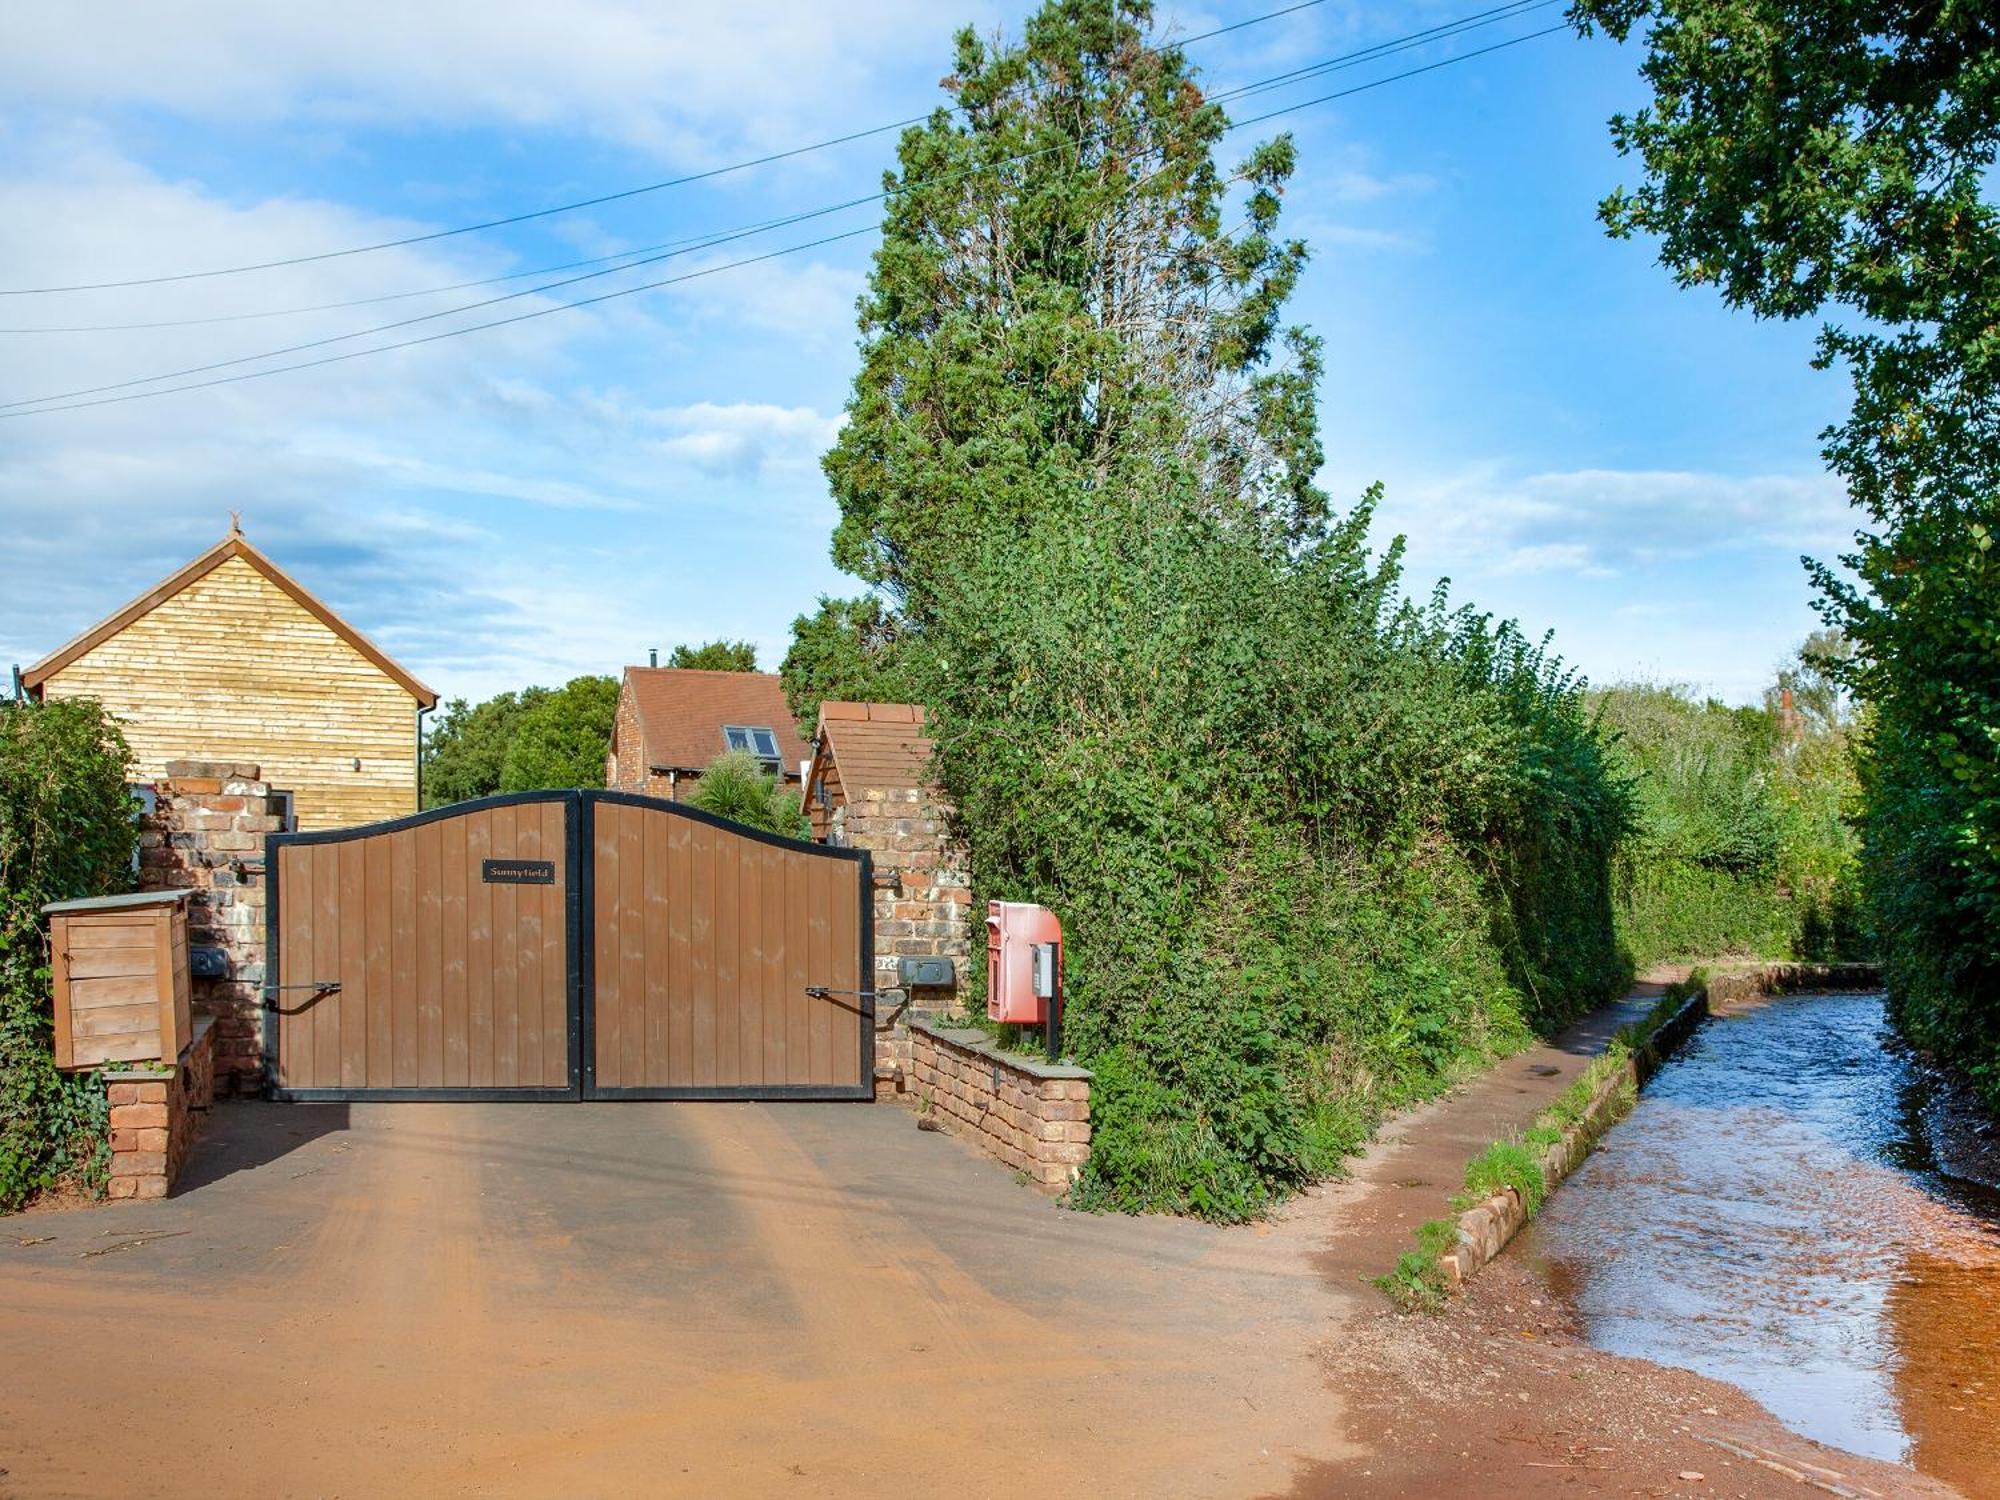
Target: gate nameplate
(518,871)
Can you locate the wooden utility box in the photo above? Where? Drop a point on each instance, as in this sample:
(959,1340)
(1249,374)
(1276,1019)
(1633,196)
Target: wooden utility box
(121,978)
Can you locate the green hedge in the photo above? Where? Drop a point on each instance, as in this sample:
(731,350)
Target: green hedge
(67,829)
(1742,841)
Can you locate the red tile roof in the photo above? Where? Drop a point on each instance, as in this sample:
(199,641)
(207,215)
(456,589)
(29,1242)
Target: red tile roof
(876,744)
(682,712)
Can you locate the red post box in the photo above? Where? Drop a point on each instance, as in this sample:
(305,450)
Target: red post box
(1024,966)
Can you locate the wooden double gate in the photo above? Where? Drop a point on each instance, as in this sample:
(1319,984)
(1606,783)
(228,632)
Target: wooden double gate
(566,945)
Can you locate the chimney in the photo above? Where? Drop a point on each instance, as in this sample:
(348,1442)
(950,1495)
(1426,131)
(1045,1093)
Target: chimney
(653,657)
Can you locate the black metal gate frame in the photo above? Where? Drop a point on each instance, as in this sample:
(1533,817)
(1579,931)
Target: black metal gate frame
(580,953)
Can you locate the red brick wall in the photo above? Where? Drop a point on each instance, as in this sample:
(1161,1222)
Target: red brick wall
(628,770)
(1033,1117)
(206,835)
(155,1117)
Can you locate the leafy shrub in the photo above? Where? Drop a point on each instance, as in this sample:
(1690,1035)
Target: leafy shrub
(715,656)
(67,830)
(1741,841)
(562,738)
(465,748)
(736,786)
(845,650)
(1316,849)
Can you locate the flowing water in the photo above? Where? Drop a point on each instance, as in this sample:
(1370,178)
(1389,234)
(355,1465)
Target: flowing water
(1772,1215)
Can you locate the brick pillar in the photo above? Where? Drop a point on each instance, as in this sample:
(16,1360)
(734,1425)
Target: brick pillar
(922,908)
(206,834)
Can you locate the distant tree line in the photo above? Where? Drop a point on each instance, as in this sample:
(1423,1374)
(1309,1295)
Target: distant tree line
(1742,841)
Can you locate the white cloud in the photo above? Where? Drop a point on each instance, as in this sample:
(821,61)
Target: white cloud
(1606,522)
(1658,574)
(683,81)
(745,438)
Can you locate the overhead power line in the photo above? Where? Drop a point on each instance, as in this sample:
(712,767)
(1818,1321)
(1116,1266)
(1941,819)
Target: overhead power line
(561,208)
(38,406)
(637,256)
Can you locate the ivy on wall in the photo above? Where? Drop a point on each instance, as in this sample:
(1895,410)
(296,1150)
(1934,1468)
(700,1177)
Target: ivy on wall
(67,829)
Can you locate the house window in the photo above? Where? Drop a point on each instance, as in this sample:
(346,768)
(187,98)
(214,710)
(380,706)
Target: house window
(754,739)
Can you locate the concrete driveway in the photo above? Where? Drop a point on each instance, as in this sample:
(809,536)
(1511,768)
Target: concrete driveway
(646,1299)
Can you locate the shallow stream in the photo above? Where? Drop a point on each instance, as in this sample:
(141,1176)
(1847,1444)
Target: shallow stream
(1773,1215)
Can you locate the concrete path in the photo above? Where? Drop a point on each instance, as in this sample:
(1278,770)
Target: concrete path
(1417,1160)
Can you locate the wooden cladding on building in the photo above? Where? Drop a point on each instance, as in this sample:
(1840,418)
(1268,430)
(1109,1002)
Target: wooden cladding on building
(707,950)
(232,666)
(565,945)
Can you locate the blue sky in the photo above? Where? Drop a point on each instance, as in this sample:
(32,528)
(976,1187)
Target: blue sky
(1570,439)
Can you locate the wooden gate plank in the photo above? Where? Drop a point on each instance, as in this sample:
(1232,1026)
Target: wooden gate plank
(632,917)
(479,949)
(727,880)
(455,927)
(528,960)
(428,921)
(403,958)
(506,955)
(293,868)
(555,950)
(650,835)
(607,1002)
(680,1028)
(701,1070)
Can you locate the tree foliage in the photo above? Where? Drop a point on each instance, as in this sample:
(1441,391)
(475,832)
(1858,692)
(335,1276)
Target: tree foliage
(1807,158)
(1313,847)
(67,830)
(846,650)
(562,738)
(1741,841)
(736,786)
(715,656)
(466,748)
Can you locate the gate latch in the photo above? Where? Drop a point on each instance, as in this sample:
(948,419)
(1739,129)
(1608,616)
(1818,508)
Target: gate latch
(827,992)
(320,988)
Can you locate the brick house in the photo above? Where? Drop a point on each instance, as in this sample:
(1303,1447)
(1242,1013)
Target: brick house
(672,721)
(232,660)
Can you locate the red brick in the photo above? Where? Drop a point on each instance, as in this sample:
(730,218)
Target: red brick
(152,1187)
(121,1093)
(152,1140)
(138,1116)
(122,1187)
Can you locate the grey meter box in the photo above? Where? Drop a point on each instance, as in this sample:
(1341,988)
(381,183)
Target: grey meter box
(1043,969)
(933,972)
